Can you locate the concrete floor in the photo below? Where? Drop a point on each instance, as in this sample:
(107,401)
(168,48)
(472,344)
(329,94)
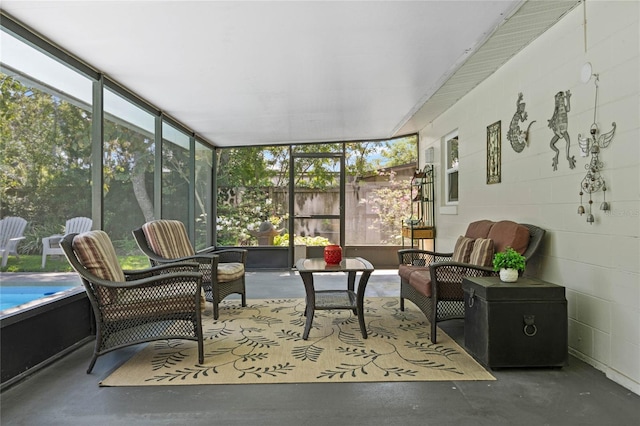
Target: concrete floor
(63,394)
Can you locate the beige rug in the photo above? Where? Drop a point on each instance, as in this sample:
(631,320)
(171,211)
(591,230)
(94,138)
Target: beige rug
(262,343)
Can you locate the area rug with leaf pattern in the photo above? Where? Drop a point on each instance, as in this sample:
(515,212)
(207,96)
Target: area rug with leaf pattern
(262,343)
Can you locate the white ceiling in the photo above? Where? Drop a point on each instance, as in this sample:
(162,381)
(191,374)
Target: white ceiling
(271,72)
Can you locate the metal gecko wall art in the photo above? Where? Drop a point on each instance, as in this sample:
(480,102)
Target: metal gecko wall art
(519,138)
(559,123)
(591,145)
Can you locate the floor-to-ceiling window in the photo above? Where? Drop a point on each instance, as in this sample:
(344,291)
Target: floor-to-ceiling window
(128,169)
(252,201)
(203,183)
(176,166)
(45,141)
(378,189)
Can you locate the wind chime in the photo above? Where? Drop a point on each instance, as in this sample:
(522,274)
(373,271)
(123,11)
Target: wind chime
(593,180)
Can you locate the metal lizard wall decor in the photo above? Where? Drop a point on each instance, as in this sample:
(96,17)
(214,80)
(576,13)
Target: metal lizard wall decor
(559,123)
(519,138)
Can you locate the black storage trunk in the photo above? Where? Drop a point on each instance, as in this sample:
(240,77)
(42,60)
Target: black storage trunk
(521,324)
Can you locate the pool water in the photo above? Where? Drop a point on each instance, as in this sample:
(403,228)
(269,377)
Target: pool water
(11,296)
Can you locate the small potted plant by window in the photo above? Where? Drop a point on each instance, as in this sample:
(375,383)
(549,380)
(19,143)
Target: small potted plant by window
(508,262)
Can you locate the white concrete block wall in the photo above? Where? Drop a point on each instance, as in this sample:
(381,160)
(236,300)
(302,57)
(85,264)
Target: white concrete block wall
(599,264)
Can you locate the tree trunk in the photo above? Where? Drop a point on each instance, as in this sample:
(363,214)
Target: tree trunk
(140,190)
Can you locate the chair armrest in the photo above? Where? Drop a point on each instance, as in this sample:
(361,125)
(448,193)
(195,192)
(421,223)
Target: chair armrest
(455,271)
(232,255)
(418,257)
(446,278)
(198,258)
(142,282)
(227,255)
(51,240)
(165,268)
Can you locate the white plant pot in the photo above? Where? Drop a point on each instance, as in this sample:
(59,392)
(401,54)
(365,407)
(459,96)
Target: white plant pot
(508,275)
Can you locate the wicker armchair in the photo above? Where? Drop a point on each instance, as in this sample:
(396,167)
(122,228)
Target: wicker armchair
(433,281)
(132,307)
(166,241)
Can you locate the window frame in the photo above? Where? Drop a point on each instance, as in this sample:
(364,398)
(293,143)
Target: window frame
(450,167)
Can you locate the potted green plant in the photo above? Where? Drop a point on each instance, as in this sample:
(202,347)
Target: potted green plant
(508,262)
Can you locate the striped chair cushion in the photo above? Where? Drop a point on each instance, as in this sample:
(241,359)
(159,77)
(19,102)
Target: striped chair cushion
(462,250)
(96,253)
(168,238)
(482,253)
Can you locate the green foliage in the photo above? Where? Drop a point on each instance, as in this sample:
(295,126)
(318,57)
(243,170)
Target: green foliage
(126,247)
(32,263)
(248,181)
(32,243)
(357,161)
(251,166)
(245,211)
(508,259)
(45,161)
(134,262)
(283,240)
(401,151)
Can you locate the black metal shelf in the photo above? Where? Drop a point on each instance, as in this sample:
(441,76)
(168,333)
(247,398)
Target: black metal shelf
(421,224)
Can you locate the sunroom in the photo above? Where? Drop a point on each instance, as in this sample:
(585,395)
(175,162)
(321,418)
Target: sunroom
(115,123)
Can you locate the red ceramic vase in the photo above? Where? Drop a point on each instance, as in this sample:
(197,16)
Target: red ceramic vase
(333,254)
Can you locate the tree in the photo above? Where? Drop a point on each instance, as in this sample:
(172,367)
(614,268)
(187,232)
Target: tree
(127,167)
(46,154)
(401,151)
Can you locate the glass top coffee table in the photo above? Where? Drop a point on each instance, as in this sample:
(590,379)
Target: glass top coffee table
(339,298)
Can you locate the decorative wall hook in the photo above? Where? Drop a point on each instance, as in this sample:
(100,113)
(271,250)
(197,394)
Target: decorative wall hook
(519,138)
(559,123)
(591,145)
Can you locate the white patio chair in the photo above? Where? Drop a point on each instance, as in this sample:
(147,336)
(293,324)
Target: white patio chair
(11,230)
(51,245)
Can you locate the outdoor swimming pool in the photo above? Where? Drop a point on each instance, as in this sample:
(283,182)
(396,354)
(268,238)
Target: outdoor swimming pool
(11,296)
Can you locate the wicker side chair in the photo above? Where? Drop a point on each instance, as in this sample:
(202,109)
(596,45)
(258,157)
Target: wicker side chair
(132,307)
(433,280)
(223,271)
